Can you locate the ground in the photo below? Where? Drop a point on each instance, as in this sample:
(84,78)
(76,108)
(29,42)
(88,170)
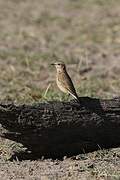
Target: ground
(83,34)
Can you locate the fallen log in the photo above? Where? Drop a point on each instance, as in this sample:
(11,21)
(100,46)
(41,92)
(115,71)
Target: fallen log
(55,129)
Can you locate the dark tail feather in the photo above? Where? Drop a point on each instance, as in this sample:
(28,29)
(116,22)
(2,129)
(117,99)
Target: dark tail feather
(76,98)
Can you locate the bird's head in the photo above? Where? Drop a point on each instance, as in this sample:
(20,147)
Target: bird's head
(60,66)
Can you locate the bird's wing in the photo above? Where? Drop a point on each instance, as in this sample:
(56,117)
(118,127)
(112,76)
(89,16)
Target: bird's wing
(68,84)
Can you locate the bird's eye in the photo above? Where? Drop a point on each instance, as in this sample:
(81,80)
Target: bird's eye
(58,64)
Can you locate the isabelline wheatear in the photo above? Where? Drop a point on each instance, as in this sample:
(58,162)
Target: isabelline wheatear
(64,81)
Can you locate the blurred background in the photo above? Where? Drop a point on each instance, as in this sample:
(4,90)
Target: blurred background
(83,34)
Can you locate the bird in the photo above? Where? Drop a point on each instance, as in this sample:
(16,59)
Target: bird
(64,81)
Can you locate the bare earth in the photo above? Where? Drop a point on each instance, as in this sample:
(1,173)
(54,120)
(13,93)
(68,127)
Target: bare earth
(83,34)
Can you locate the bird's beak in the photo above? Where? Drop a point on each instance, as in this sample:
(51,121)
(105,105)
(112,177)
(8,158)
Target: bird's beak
(52,64)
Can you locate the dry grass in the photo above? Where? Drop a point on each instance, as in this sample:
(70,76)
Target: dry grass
(86,36)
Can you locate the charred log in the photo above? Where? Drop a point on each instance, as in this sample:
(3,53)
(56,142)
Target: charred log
(56,129)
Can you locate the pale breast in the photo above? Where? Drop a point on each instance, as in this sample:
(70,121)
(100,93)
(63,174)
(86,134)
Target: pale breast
(61,86)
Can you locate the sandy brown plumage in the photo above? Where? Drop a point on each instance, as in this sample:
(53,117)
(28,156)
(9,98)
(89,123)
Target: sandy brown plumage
(64,81)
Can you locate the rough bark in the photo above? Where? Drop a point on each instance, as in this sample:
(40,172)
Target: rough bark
(63,128)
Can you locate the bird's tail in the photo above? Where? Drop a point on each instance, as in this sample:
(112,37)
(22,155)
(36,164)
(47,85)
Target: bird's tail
(76,97)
